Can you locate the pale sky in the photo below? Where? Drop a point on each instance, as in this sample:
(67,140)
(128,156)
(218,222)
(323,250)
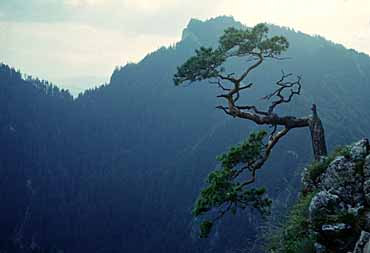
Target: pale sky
(77,43)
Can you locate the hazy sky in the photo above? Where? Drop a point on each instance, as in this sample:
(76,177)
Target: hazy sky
(79,42)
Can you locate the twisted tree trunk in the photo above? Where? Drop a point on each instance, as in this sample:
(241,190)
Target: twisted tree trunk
(317,135)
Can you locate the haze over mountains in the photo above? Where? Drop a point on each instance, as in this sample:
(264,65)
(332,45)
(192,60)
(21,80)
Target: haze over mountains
(118,168)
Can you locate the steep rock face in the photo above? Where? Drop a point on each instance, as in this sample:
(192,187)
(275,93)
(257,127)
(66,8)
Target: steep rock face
(339,212)
(341,179)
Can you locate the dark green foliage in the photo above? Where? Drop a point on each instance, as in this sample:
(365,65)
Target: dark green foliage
(208,63)
(360,167)
(252,41)
(293,235)
(205,228)
(317,168)
(201,66)
(225,191)
(249,151)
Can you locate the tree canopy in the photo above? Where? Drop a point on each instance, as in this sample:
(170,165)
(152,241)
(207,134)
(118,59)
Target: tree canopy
(228,188)
(208,62)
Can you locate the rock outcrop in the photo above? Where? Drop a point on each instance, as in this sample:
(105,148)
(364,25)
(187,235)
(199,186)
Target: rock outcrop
(339,211)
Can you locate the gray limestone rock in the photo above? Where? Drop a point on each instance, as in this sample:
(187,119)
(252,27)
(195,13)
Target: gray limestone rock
(342,179)
(333,230)
(322,205)
(367,168)
(362,245)
(359,150)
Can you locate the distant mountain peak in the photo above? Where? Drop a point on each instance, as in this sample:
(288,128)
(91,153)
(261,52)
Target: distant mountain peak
(200,31)
(216,20)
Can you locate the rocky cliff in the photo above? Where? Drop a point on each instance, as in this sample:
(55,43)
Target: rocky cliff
(333,210)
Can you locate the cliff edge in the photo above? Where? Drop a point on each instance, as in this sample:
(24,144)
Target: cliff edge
(332,213)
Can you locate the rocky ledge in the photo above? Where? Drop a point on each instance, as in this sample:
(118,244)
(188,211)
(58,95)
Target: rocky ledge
(339,206)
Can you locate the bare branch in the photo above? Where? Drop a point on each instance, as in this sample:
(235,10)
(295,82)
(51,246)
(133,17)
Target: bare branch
(238,89)
(253,108)
(281,58)
(293,86)
(223,108)
(273,140)
(246,86)
(228,78)
(219,84)
(245,74)
(273,132)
